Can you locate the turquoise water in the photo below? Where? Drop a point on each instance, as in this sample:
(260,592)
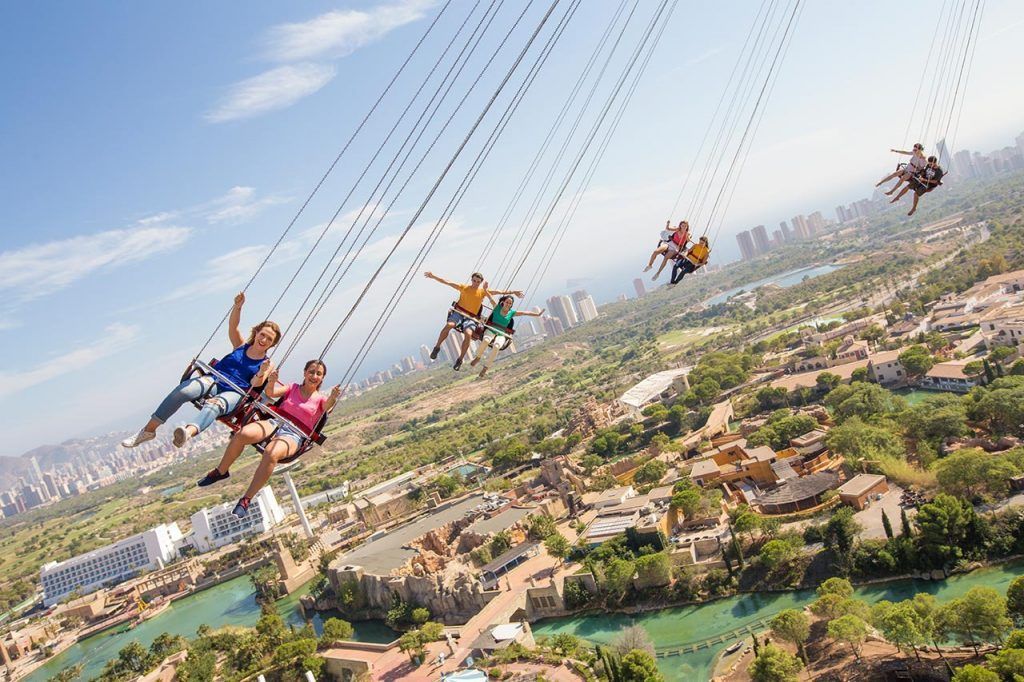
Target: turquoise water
(786,279)
(167,492)
(685,626)
(230,603)
(468,470)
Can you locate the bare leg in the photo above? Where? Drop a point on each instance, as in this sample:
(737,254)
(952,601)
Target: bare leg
(664,262)
(887,178)
(658,251)
(151,425)
(900,195)
(247,435)
(276,450)
(466,338)
(917,198)
(444,333)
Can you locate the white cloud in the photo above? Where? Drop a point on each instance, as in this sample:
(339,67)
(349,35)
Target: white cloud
(40,269)
(226,272)
(340,32)
(115,338)
(239,205)
(274,89)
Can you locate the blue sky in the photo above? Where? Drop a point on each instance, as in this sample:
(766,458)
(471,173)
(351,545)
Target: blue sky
(152,151)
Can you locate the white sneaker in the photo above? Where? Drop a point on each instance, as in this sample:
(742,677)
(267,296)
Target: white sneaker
(138,439)
(180,436)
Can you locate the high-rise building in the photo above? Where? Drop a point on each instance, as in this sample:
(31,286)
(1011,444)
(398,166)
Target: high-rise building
(776,238)
(552,326)
(585,305)
(37,475)
(408,363)
(561,307)
(217,526)
(962,165)
(841,214)
(425,354)
(760,236)
(787,236)
(942,153)
(452,347)
(747,248)
(638,286)
(799,224)
(112,564)
(816,223)
(1020,143)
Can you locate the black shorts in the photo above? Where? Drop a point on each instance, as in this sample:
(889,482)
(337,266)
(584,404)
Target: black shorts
(919,187)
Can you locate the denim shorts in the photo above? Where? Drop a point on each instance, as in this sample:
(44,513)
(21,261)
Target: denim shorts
(286,431)
(463,323)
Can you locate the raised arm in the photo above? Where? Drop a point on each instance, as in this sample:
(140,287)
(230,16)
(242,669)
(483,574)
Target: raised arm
(900,151)
(430,275)
(527,313)
(234,333)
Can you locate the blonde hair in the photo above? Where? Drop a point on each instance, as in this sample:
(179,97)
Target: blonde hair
(265,323)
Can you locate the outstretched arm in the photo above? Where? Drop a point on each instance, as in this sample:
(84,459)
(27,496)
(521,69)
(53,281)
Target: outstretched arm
(234,333)
(442,280)
(900,151)
(527,313)
(514,292)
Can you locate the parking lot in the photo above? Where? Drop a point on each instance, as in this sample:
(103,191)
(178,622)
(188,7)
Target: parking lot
(871,518)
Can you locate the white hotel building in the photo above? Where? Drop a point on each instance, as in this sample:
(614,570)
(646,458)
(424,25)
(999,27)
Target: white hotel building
(109,565)
(215,527)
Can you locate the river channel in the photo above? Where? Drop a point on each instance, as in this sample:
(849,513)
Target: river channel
(230,603)
(783,280)
(682,627)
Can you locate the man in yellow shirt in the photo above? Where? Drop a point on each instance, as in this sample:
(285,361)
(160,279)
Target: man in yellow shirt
(693,259)
(465,316)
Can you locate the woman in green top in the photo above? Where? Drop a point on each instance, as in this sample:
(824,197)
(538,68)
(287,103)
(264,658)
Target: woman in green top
(499,320)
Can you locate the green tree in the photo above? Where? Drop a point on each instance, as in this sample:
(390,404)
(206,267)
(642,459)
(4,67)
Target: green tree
(618,576)
(772,664)
(557,546)
(939,417)
(1015,599)
(916,360)
(837,586)
(651,472)
(850,630)
(826,381)
(654,570)
(69,674)
(974,673)
(338,630)
(639,666)
(943,525)
(975,474)
(432,631)
(776,553)
(979,616)
(887,525)
(166,644)
(857,440)
(540,526)
(867,401)
(1008,664)
(902,625)
(794,627)
(271,628)
(839,535)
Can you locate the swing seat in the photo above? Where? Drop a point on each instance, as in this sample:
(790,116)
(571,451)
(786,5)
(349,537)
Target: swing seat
(259,411)
(235,419)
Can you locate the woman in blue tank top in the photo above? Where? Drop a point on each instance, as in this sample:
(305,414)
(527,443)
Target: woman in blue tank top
(247,365)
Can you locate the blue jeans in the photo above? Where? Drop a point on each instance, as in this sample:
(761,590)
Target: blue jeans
(194,389)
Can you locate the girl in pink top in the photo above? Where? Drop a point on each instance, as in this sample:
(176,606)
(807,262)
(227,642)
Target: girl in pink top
(302,407)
